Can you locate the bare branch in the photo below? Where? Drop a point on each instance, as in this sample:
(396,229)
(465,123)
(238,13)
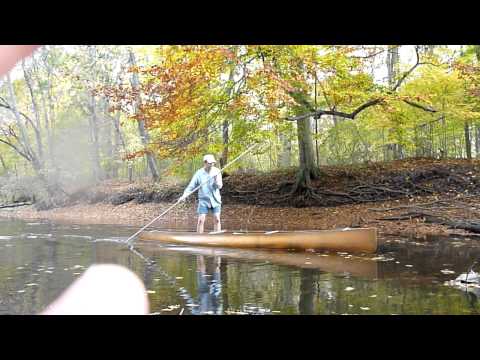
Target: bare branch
(374,54)
(5,105)
(16,149)
(317,114)
(425,108)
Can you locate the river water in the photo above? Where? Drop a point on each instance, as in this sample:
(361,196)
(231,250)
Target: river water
(38,260)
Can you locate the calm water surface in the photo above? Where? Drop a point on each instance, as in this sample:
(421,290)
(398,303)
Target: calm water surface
(38,260)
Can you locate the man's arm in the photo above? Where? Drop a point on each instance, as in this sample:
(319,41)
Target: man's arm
(218,182)
(192,185)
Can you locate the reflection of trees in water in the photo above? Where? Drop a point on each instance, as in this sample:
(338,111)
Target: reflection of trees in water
(224,277)
(307,291)
(429,259)
(286,291)
(472,298)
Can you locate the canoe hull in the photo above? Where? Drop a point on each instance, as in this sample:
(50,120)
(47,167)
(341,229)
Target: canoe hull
(350,240)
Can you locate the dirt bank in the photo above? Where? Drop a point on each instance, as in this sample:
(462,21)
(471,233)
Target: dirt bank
(412,198)
(245,217)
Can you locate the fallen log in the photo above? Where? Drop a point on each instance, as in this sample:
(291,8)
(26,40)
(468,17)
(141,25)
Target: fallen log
(473,226)
(14,205)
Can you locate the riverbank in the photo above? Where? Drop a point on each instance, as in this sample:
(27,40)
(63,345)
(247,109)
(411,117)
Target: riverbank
(247,217)
(415,198)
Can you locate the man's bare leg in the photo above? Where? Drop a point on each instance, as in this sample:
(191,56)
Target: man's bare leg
(201,223)
(217,226)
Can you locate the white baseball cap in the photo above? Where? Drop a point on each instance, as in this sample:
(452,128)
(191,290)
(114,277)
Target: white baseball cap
(209,158)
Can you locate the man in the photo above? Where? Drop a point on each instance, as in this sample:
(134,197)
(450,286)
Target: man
(209,198)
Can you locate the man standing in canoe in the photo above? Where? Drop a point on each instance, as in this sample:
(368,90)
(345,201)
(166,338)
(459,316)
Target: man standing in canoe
(209,198)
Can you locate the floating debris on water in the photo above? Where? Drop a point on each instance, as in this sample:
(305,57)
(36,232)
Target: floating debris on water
(76,273)
(150,292)
(115,240)
(349,288)
(77,267)
(382,258)
(408,265)
(79,236)
(447,271)
(20,291)
(48,272)
(373,296)
(308,263)
(20,268)
(179,277)
(232,312)
(366,308)
(31,284)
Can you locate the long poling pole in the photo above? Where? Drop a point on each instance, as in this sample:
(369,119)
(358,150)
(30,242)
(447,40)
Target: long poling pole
(130,240)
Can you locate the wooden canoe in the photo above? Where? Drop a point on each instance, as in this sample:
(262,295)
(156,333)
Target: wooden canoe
(349,240)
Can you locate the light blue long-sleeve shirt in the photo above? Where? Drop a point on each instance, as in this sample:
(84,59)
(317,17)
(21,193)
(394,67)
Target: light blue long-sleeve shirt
(209,193)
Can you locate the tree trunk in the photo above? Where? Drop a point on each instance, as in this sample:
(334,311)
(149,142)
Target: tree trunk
(468,143)
(95,151)
(141,125)
(37,127)
(225,139)
(117,141)
(477,141)
(45,115)
(4,165)
(51,107)
(305,145)
(393,61)
(226,124)
(307,170)
(108,135)
(285,156)
(24,141)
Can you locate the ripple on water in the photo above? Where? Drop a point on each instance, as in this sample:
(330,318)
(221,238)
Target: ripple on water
(78,236)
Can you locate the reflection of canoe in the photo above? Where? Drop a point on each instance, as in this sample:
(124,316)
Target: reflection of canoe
(351,240)
(329,263)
